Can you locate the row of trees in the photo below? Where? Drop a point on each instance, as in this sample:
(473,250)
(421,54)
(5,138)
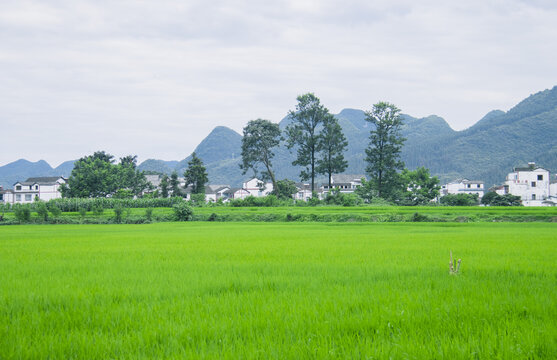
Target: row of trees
(313,133)
(320,144)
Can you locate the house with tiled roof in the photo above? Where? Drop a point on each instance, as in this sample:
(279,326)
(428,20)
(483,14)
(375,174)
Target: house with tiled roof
(463,186)
(42,188)
(345,183)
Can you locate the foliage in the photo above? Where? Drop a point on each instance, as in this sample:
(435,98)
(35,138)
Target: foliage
(66,204)
(42,210)
(97,176)
(366,191)
(383,152)
(82,211)
(332,145)
(97,209)
(260,137)
(494,199)
(284,189)
(118,213)
(336,197)
(303,133)
(182,211)
(460,200)
(419,187)
(123,194)
(197,199)
(54,209)
(164,186)
(149,214)
(196,175)
(22,212)
(174,184)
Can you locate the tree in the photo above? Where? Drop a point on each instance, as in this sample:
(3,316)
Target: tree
(174,184)
(494,199)
(383,153)
(92,176)
(164,186)
(460,199)
(260,137)
(303,133)
(196,175)
(97,176)
(419,186)
(332,144)
(284,189)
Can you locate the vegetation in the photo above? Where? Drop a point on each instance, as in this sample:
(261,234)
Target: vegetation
(332,145)
(383,153)
(494,199)
(196,175)
(97,176)
(284,189)
(303,133)
(260,137)
(460,200)
(420,188)
(222,290)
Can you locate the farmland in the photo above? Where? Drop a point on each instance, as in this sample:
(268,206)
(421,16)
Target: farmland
(278,290)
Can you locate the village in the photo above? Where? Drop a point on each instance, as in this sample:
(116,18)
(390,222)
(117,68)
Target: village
(533,184)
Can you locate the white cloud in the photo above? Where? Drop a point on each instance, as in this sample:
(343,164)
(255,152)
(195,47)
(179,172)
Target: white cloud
(153,78)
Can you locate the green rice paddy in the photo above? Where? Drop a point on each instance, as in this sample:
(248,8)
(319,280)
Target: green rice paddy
(278,290)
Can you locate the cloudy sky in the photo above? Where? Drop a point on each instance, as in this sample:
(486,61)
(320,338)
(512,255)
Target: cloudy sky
(153,78)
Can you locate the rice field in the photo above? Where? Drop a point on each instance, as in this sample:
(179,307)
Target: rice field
(278,291)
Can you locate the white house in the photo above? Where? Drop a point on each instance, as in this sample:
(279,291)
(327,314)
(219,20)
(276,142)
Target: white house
(346,183)
(463,186)
(6,196)
(531,183)
(257,188)
(43,188)
(303,191)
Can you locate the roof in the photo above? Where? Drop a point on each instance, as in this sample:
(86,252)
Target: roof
(155,180)
(347,178)
(45,180)
(472,182)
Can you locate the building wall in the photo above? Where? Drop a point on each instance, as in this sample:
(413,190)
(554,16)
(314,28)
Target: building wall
(532,186)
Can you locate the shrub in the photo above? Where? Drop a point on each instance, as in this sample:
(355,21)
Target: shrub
(118,212)
(149,214)
(97,209)
(197,199)
(42,210)
(212,217)
(54,209)
(22,213)
(182,212)
(460,200)
(82,211)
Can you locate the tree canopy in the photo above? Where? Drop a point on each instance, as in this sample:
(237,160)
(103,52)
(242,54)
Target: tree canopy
(303,133)
(332,144)
(260,137)
(383,152)
(196,175)
(98,176)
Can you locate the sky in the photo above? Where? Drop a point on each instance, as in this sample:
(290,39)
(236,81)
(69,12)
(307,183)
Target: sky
(153,78)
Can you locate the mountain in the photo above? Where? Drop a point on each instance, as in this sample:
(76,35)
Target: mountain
(486,151)
(22,169)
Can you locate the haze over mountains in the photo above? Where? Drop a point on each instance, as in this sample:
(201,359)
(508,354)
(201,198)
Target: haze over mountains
(486,151)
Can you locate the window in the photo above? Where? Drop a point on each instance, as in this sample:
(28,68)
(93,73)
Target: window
(533,184)
(18,197)
(533,196)
(468,186)
(478,186)
(30,187)
(1,197)
(18,187)
(36,187)
(540,177)
(28,197)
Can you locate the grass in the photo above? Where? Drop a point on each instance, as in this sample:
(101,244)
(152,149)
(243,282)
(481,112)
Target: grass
(280,290)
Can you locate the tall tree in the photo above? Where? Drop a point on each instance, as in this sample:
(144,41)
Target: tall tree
(303,133)
(164,186)
(383,153)
(174,184)
(332,144)
(260,137)
(196,175)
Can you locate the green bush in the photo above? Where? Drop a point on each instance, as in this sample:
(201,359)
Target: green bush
(149,214)
(182,211)
(54,209)
(22,213)
(118,212)
(42,210)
